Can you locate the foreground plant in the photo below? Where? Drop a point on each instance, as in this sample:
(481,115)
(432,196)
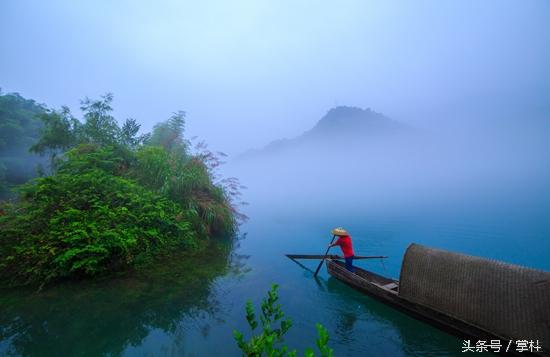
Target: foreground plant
(269,342)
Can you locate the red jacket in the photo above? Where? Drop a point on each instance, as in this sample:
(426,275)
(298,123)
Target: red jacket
(345,245)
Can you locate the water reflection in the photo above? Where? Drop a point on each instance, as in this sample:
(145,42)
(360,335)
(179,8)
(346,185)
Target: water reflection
(410,334)
(105,317)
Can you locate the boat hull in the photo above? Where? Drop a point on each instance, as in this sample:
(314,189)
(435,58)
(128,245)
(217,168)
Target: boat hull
(378,287)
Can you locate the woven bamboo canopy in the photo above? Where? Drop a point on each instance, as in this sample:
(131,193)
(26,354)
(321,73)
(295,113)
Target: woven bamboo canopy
(507,300)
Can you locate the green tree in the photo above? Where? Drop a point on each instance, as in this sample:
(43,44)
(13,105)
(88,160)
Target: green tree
(19,125)
(61,131)
(129,134)
(170,135)
(19,128)
(100,127)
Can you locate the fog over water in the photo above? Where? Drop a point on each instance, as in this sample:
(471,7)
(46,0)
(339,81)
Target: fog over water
(406,169)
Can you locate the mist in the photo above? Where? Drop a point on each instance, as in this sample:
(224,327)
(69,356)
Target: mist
(497,164)
(249,72)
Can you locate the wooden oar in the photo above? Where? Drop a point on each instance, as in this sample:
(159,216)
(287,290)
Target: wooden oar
(332,256)
(322,260)
(302,265)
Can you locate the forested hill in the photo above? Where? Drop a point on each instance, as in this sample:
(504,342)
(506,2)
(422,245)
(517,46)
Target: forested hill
(20,127)
(340,125)
(351,122)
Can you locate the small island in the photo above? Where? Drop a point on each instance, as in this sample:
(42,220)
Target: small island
(106,198)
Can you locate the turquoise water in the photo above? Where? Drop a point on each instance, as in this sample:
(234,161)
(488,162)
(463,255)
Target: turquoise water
(190,307)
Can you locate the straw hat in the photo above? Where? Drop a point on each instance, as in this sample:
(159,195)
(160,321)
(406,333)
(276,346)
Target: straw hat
(341,232)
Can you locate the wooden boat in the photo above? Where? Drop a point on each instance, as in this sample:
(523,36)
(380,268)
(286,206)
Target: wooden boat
(470,297)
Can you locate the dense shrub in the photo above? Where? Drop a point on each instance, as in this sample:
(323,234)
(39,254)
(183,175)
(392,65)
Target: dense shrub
(188,182)
(86,224)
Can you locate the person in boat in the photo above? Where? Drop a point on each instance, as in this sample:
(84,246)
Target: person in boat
(344,241)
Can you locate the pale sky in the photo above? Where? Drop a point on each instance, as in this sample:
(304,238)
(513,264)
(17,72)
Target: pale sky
(248,72)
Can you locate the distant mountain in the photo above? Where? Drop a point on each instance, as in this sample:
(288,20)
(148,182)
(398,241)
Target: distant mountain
(351,121)
(352,125)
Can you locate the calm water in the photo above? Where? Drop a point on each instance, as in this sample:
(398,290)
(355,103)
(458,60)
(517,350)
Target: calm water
(189,308)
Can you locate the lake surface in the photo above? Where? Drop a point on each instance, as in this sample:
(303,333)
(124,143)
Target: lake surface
(190,307)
